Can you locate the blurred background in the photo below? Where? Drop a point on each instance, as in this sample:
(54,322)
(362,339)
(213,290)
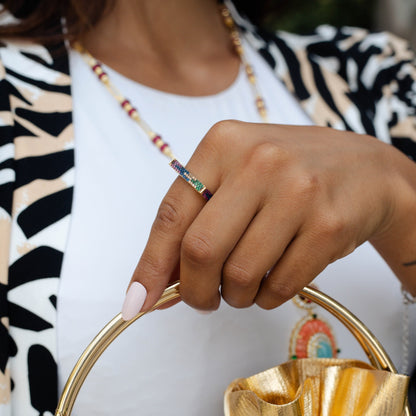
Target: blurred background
(397,16)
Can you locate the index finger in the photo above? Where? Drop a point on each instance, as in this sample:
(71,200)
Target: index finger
(176,213)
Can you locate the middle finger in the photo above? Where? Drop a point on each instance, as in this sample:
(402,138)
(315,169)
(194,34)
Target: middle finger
(212,236)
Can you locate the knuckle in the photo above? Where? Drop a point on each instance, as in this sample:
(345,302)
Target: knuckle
(237,275)
(267,157)
(282,291)
(168,216)
(225,132)
(223,128)
(197,249)
(153,266)
(333,226)
(202,300)
(306,184)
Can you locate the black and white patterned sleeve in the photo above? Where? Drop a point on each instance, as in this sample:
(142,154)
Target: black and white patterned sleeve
(386,84)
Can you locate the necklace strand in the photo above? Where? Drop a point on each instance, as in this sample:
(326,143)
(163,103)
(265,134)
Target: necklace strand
(155,138)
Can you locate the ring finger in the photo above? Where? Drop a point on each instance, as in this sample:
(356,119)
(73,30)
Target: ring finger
(256,253)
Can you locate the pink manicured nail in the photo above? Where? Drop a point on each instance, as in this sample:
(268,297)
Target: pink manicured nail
(136,295)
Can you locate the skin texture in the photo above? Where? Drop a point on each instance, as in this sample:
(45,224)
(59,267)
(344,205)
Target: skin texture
(287,199)
(177,46)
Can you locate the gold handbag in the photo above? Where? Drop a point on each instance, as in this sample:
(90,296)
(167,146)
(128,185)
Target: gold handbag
(306,384)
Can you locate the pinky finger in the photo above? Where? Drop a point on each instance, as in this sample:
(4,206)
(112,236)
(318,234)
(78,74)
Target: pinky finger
(302,261)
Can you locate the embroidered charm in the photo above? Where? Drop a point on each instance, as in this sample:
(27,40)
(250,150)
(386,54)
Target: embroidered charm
(312,337)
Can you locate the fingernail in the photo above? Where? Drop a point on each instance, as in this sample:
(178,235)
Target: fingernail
(203,312)
(135,297)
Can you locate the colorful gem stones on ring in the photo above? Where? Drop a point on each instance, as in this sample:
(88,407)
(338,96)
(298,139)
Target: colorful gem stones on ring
(188,177)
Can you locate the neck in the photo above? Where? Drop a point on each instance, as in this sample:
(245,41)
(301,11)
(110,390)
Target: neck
(180,46)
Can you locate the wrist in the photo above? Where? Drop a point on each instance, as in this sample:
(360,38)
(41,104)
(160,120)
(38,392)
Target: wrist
(395,239)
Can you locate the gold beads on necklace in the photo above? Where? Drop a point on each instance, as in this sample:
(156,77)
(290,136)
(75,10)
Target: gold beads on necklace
(238,47)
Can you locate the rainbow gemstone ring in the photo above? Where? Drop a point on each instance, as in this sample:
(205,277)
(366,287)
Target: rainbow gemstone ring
(191,180)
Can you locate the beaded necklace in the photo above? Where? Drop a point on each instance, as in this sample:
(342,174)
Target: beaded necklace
(156,138)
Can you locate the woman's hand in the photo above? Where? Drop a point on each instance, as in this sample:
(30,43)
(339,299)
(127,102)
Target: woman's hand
(287,202)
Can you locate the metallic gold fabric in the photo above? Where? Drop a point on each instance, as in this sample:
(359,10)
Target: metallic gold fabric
(318,387)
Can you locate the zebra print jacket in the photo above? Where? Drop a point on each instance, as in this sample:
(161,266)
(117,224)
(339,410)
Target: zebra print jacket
(346,78)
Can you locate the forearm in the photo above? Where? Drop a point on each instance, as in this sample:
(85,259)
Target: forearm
(397,242)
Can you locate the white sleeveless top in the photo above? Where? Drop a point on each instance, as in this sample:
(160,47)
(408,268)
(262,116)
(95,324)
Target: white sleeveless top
(177,361)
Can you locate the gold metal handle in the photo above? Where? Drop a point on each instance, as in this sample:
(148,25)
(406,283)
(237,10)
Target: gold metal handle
(372,347)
